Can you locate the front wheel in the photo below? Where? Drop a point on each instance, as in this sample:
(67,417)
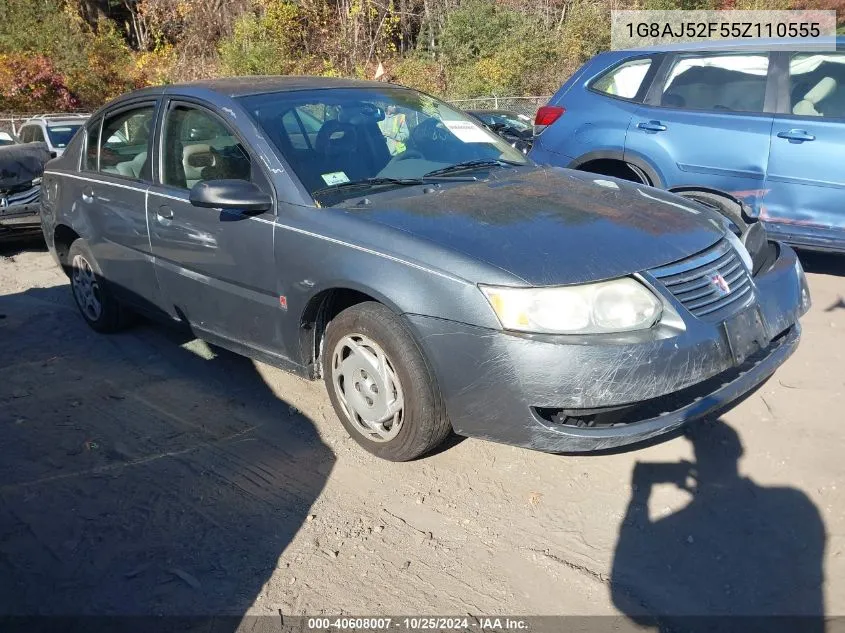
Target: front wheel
(380,384)
(93,297)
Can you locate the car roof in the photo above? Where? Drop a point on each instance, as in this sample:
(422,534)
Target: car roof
(750,44)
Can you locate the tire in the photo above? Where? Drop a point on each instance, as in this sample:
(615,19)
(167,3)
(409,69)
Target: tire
(91,292)
(355,339)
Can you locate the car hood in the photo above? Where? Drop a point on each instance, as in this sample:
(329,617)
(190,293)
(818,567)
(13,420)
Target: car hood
(552,226)
(19,164)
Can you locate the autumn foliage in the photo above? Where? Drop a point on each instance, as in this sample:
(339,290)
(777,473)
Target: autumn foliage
(32,82)
(62,54)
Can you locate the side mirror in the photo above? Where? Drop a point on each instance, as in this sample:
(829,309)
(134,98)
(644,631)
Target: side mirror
(230,194)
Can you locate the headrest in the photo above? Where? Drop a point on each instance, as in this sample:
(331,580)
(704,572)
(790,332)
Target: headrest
(336,138)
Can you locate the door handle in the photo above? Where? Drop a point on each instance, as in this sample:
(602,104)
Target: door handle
(165,213)
(652,126)
(88,194)
(796,136)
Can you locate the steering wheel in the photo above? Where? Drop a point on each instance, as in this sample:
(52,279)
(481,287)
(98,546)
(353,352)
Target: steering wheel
(429,131)
(406,155)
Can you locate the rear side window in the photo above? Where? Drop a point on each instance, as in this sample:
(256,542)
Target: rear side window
(817,85)
(32,134)
(729,83)
(125,143)
(625,80)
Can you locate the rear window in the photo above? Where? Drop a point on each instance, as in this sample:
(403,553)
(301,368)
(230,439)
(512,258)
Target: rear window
(728,83)
(624,80)
(60,135)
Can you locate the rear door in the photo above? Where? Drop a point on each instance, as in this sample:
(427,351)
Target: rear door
(111,191)
(215,266)
(806,173)
(705,121)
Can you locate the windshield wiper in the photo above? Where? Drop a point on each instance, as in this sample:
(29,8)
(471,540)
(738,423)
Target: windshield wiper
(473,164)
(369,182)
(366,183)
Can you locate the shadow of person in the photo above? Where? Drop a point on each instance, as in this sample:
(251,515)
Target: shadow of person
(736,549)
(144,473)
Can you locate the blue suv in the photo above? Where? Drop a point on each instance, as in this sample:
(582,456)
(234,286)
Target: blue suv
(761,121)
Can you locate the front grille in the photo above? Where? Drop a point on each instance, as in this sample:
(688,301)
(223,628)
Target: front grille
(697,281)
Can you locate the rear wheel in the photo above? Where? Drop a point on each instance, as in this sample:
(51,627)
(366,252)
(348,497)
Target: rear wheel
(93,297)
(380,384)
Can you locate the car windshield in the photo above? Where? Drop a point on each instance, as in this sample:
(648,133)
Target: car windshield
(60,135)
(332,137)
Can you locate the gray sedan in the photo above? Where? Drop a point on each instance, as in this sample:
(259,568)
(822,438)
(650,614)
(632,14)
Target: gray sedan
(435,279)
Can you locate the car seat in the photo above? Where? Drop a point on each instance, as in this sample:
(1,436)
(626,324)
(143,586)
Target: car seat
(194,159)
(819,92)
(133,168)
(337,145)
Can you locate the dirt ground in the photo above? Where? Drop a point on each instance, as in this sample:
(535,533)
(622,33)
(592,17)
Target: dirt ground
(148,473)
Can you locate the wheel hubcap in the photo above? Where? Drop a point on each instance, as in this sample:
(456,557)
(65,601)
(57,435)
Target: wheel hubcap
(86,289)
(367,387)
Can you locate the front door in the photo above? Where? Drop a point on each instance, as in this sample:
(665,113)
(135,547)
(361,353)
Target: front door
(806,175)
(215,266)
(704,123)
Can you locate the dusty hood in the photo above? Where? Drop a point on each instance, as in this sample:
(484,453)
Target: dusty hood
(19,164)
(554,226)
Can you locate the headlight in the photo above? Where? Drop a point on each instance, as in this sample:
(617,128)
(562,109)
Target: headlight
(621,305)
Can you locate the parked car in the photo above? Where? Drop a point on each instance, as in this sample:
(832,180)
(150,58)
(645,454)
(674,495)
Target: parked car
(21,168)
(55,130)
(761,121)
(451,285)
(517,129)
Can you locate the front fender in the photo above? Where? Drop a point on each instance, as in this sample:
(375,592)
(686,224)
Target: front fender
(408,275)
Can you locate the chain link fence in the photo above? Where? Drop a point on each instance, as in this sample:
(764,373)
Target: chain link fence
(520,105)
(11,123)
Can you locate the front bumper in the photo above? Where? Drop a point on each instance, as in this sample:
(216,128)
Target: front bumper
(19,211)
(499,385)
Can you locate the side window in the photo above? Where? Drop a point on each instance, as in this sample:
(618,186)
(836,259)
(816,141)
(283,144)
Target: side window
(731,83)
(197,146)
(92,142)
(624,80)
(37,135)
(124,143)
(817,84)
(26,135)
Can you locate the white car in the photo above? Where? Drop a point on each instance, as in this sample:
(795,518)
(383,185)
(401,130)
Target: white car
(54,129)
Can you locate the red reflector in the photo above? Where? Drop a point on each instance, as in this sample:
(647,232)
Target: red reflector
(547,115)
